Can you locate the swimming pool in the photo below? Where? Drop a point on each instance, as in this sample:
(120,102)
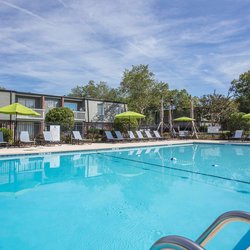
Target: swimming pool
(123,198)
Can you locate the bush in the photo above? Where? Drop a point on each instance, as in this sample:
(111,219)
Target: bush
(7,134)
(125,124)
(61,116)
(66,138)
(94,133)
(235,121)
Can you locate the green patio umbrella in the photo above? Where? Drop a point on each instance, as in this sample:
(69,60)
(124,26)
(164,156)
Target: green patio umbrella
(129,115)
(188,119)
(246,116)
(184,119)
(17,109)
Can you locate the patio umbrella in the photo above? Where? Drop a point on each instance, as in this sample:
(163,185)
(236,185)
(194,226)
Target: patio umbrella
(246,116)
(17,109)
(129,115)
(188,119)
(184,119)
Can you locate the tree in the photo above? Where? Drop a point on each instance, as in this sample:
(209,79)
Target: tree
(61,116)
(141,90)
(240,89)
(137,86)
(180,101)
(216,108)
(96,90)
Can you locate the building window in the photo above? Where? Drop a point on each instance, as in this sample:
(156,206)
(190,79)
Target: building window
(51,103)
(118,110)
(100,109)
(71,105)
(30,103)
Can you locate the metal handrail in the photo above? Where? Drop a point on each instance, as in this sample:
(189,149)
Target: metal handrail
(181,243)
(175,242)
(220,222)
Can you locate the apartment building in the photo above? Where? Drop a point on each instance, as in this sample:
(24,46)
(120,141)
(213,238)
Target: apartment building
(87,112)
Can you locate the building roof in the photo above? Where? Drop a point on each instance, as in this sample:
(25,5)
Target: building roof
(57,96)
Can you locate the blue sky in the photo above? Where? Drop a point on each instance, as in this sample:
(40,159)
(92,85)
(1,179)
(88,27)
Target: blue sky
(51,46)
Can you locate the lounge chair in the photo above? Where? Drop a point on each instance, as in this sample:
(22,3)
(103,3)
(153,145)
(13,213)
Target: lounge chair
(248,137)
(25,138)
(237,135)
(148,134)
(120,136)
(2,142)
(110,137)
(157,135)
(48,138)
(78,138)
(140,136)
(132,136)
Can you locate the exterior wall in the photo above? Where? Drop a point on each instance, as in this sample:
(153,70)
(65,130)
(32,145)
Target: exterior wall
(110,110)
(5,99)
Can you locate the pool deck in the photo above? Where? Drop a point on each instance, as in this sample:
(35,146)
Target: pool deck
(99,146)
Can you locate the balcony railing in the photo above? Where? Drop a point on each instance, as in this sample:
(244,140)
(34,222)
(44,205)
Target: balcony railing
(30,117)
(79,115)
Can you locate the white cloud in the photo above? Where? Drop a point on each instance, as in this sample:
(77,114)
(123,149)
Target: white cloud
(64,43)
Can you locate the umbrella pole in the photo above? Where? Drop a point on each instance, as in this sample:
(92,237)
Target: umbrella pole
(15,129)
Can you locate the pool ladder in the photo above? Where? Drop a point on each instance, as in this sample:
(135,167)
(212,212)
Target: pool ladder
(182,243)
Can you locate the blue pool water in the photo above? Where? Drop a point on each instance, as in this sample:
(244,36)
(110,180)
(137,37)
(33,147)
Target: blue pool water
(123,199)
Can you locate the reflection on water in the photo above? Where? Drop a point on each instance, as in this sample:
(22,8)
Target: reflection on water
(226,161)
(224,165)
(27,172)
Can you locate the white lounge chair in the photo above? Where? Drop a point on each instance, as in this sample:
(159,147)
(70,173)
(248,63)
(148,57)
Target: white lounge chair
(25,138)
(140,136)
(78,138)
(132,136)
(157,135)
(110,137)
(120,136)
(237,134)
(148,134)
(48,137)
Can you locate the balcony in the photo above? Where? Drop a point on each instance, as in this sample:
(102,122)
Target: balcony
(79,115)
(30,117)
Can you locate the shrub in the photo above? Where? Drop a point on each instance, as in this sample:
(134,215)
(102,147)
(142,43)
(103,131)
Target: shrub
(125,124)
(235,121)
(94,133)
(61,116)
(7,134)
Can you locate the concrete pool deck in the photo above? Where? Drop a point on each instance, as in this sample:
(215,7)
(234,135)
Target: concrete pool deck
(99,146)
